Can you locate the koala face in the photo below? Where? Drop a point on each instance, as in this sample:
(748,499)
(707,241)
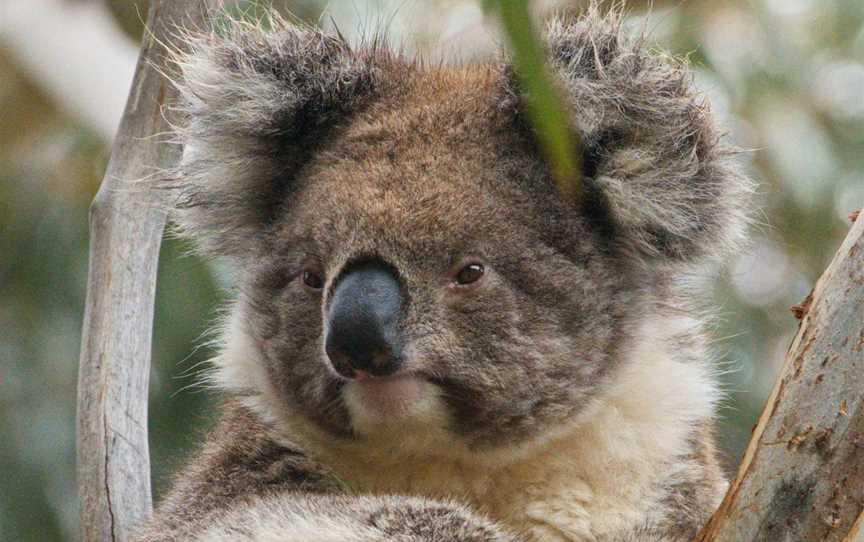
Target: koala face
(426,249)
(404,252)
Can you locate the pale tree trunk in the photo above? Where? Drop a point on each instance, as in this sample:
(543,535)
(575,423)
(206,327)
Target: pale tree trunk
(126,225)
(802,478)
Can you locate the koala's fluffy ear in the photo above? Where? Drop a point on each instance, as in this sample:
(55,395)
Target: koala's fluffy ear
(254,104)
(652,156)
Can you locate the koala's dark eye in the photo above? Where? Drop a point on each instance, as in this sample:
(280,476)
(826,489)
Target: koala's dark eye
(312,279)
(470,274)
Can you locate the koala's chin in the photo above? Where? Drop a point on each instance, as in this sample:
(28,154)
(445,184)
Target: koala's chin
(393,404)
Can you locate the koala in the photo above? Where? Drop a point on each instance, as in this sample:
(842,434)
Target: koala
(427,340)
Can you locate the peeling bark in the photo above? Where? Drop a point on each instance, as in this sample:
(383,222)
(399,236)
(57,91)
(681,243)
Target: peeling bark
(802,477)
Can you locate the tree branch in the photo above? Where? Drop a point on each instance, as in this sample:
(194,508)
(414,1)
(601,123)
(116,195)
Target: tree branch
(802,477)
(126,231)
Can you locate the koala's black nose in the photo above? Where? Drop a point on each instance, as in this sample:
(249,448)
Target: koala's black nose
(363,321)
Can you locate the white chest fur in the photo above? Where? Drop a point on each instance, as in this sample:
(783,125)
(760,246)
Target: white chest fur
(604,473)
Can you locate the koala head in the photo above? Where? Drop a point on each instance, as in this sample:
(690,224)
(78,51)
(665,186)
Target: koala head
(403,253)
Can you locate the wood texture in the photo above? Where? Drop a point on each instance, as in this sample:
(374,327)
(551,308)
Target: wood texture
(802,478)
(126,225)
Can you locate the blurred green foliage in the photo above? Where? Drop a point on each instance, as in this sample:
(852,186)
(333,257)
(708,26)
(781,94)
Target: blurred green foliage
(785,77)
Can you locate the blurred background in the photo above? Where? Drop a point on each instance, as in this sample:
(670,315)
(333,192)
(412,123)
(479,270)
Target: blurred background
(785,76)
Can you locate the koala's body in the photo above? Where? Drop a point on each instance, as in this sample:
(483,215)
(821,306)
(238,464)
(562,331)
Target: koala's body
(429,342)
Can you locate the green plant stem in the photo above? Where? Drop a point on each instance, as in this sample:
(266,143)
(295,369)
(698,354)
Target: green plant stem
(549,117)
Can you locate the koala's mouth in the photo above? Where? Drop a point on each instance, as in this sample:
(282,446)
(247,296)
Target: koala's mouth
(389,395)
(391,400)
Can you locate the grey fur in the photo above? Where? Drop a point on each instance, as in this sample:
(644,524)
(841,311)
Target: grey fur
(255,101)
(671,182)
(301,151)
(354,519)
